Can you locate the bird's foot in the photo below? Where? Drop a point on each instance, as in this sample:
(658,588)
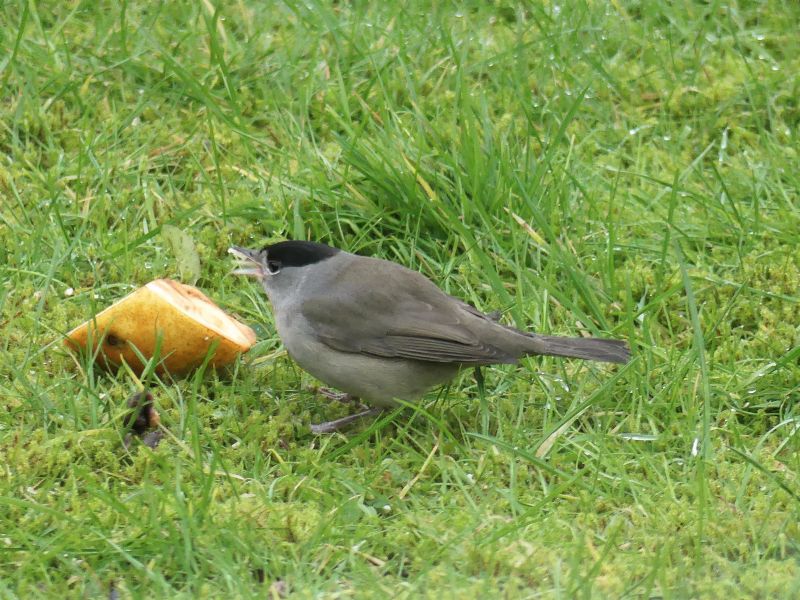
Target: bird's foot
(332,426)
(332,394)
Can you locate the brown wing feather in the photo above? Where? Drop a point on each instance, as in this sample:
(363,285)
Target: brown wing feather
(410,318)
(437,350)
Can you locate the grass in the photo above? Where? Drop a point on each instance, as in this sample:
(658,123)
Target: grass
(623,169)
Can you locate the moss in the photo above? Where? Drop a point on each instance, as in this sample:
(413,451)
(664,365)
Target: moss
(245,131)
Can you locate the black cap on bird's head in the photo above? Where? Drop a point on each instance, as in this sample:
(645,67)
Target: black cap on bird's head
(293,253)
(274,257)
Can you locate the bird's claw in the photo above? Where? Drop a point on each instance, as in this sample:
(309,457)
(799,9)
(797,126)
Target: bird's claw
(336,425)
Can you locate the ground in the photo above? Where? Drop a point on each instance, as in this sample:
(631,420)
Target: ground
(625,169)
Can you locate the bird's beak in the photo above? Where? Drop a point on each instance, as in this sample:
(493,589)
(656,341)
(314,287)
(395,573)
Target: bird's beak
(249,262)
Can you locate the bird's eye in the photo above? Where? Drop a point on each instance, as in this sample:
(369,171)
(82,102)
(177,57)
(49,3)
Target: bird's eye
(274,267)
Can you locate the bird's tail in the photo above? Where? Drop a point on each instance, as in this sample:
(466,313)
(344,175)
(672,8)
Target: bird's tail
(604,350)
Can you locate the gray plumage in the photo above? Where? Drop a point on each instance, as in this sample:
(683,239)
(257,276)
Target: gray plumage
(380,331)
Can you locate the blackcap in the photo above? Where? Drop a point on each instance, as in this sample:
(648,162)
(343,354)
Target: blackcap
(381,332)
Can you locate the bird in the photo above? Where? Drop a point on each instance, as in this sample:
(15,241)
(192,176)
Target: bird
(381,332)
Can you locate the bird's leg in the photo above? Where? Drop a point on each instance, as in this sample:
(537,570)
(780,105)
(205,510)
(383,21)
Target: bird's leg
(479,379)
(332,394)
(482,396)
(331,426)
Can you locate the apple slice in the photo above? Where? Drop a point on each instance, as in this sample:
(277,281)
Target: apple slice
(185,319)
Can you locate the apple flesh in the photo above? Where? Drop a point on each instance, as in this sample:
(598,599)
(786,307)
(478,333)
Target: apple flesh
(186,321)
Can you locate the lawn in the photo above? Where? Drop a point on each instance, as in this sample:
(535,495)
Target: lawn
(588,168)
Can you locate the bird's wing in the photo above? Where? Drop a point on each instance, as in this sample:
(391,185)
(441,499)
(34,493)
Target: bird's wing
(408,318)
